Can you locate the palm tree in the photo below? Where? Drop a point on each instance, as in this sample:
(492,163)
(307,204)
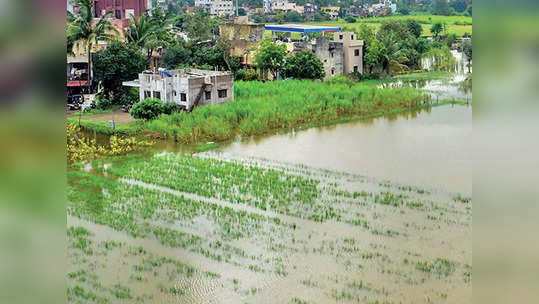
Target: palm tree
(140,31)
(82,27)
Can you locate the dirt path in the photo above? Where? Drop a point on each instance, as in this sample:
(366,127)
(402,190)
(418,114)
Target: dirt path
(119,117)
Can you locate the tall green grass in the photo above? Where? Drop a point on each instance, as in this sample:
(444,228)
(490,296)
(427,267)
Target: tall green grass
(261,107)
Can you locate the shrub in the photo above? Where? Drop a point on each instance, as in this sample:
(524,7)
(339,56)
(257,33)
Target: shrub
(251,74)
(239,75)
(102,102)
(170,107)
(350,19)
(148,109)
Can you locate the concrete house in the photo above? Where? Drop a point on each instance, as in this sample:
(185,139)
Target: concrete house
(243,39)
(331,54)
(352,51)
(187,88)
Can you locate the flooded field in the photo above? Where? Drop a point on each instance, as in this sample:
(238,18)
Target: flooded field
(223,228)
(431,147)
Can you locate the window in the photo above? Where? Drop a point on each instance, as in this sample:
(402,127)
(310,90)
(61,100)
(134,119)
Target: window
(332,71)
(157,94)
(331,54)
(147,94)
(355,69)
(183,97)
(356,52)
(221,93)
(118,14)
(352,37)
(174,92)
(207,95)
(340,37)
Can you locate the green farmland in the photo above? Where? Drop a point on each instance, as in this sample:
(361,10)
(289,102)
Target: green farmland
(458,25)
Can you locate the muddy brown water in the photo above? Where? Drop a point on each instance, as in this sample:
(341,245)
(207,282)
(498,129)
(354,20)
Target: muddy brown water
(430,147)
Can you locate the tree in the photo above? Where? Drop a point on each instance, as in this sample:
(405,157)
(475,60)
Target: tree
(414,27)
(304,65)
(198,25)
(321,16)
(403,8)
(140,31)
(176,56)
(441,7)
(459,5)
(292,16)
(436,29)
(117,63)
(270,57)
(241,12)
(83,28)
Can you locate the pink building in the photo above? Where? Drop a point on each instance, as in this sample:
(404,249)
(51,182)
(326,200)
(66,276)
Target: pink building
(121,9)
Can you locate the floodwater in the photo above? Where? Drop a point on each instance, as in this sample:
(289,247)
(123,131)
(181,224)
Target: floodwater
(429,147)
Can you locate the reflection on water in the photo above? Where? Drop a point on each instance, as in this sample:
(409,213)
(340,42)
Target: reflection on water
(456,86)
(425,147)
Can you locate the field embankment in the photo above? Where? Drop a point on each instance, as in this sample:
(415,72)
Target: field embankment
(263,107)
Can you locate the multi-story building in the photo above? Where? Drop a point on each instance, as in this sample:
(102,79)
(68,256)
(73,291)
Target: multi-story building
(352,51)
(187,88)
(222,8)
(217,7)
(341,53)
(243,39)
(121,9)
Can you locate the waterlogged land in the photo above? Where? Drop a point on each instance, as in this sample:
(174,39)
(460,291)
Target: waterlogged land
(214,228)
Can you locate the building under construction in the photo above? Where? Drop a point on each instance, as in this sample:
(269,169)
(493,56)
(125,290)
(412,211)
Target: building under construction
(187,88)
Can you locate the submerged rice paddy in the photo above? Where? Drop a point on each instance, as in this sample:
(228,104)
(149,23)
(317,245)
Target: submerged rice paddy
(216,228)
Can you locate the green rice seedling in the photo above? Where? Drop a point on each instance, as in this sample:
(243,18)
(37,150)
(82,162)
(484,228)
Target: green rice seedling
(121,292)
(440,267)
(462,199)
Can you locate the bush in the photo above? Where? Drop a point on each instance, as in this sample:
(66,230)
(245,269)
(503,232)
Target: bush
(102,102)
(169,108)
(148,109)
(350,19)
(239,74)
(251,74)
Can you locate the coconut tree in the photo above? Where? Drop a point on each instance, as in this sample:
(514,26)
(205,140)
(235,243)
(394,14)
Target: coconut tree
(140,31)
(82,27)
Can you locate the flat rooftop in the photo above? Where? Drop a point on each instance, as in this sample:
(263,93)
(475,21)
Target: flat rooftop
(189,73)
(302,28)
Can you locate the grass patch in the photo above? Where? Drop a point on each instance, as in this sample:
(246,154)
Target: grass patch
(260,108)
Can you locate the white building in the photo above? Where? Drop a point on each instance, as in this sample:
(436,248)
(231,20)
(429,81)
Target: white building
(186,88)
(217,7)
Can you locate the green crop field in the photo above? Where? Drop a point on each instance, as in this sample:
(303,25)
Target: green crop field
(458,25)
(162,227)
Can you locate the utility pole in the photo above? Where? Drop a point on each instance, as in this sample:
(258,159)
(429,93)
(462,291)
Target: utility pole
(237,9)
